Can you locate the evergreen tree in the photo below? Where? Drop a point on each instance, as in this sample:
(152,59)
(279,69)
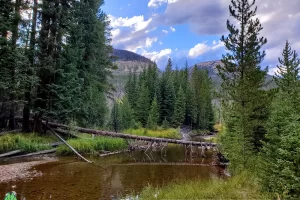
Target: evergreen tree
(127,115)
(242,85)
(143,105)
(153,117)
(167,99)
(287,77)
(179,111)
(280,170)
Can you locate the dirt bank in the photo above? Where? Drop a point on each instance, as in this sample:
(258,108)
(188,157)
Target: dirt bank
(21,170)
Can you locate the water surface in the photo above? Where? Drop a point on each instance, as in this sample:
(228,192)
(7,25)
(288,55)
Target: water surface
(111,177)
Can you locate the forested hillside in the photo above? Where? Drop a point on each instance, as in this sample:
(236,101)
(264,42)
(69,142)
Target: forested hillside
(175,98)
(55,62)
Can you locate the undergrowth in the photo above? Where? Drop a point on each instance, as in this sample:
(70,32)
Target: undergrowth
(159,133)
(92,145)
(27,142)
(243,186)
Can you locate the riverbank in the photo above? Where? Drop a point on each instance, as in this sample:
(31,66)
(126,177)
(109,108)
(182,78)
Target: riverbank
(23,170)
(243,186)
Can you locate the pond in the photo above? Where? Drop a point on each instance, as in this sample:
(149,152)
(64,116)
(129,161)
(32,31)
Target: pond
(112,177)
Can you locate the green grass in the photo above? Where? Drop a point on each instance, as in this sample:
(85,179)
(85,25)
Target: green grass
(27,142)
(243,186)
(159,133)
(92,146)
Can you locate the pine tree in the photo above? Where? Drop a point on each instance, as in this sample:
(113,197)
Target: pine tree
(280,170)
(287,77)
(242,82)
(167,99)
(153,117)
(127,115)
(179,111)
(143,105)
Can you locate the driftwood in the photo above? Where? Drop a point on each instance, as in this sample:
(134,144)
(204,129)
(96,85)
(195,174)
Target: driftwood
(112,153)
(36,153)
(11,153)
(133,137)
(60,138)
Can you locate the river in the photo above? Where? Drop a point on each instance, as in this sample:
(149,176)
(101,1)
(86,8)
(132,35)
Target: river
(111,177)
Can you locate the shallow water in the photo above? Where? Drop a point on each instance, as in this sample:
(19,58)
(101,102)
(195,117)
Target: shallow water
(111,177)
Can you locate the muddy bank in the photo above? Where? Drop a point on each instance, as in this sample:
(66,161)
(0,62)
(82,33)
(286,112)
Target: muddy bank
(22,170)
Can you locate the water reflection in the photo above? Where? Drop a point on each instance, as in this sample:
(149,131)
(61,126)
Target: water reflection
(113,176)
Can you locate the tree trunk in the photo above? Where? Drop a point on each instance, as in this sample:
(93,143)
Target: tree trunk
(28,104)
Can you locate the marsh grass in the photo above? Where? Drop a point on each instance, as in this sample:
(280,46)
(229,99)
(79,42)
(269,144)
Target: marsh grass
(92,145)
(27,142)
(159,133)
(243,186)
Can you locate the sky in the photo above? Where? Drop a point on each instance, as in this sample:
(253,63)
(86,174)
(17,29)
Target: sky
(190,30)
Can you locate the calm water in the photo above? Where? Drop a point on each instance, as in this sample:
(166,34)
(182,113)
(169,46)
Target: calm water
(112,176)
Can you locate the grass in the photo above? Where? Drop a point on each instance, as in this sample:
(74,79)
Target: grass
(27,142)
(244,186)
(159,133)
(89,145)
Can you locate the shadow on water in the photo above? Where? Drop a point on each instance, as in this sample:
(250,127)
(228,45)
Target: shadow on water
(112,176)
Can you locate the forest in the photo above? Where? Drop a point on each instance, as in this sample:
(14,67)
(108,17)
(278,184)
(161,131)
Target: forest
(56,61)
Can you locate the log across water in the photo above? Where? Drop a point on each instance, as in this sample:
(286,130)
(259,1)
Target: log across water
(133,137)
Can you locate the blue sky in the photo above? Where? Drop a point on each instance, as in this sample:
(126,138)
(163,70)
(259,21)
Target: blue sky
(190,30)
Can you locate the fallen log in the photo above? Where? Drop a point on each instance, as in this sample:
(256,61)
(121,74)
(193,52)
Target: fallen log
(133,137)
(112,153)
(11,153)
(36,153)
(61,139)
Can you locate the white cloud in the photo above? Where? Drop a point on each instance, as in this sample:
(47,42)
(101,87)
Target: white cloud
(150,41)
(203,48)
(137,22)
(165,31)
(198,50)
(172,29)
(273,70)
(115,33)
(156,56)
(158,3)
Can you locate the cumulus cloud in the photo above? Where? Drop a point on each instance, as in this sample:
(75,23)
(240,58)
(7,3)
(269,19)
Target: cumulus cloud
(198,50)
(132,33)
(279,19)
(165,31)
(203,48)
(157,56)
(172,29)
(158,3)
(137,22)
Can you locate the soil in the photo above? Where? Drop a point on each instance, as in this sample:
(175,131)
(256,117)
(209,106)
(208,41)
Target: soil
(22,170)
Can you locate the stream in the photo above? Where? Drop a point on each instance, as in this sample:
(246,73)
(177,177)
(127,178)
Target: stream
(111,177)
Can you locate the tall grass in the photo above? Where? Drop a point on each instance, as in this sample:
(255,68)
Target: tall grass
(89,145)
(159,133)
(26,142)
(243,186)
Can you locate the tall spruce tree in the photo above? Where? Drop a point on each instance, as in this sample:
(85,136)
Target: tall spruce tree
(143,105)
(280,170)
(153,117)
(179,110)
(242,84)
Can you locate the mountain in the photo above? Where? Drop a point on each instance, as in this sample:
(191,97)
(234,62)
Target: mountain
(126,61)
(211,66)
